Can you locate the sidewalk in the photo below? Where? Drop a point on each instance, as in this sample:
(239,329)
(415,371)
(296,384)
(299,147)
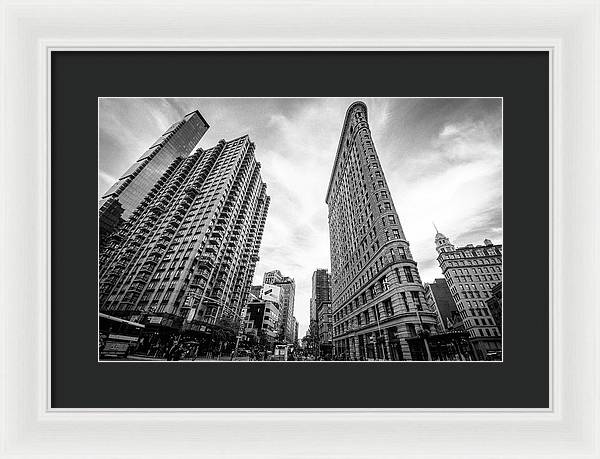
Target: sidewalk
(158,359)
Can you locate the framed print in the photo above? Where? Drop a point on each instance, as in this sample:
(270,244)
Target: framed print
(206,249)
(312,238)
(193,300)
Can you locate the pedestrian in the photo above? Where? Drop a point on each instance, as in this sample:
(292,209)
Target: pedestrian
(171,352)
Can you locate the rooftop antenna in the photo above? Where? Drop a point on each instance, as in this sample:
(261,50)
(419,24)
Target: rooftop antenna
(436,230)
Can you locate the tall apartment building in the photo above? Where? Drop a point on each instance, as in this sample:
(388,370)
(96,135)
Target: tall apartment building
(471,273)
(122,199)
(320,292)
(377,296)
(184,260)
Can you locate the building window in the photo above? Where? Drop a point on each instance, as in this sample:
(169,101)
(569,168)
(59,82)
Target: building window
(373,290)
(417,300)
(408,274)
(387,306)
(384,284)
(403,296)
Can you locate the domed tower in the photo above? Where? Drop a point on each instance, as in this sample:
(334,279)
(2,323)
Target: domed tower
(442,243)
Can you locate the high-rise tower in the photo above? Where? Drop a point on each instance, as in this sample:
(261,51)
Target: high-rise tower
(121,199)
(185,258)
(378,299)
(321,292)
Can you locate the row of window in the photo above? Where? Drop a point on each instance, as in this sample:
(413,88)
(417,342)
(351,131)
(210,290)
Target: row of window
(374,290)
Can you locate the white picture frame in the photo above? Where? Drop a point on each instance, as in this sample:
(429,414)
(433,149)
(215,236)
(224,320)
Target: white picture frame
(569,30)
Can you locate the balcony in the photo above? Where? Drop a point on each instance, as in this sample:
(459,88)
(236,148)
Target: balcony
(142,278)
(151,262)
(136,288)
(155,252)
(192,190)
(120,264)
(205,263)
(117,237)
(216,292)
(157,208)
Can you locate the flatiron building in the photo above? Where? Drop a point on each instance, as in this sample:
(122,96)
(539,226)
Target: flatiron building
(378,301)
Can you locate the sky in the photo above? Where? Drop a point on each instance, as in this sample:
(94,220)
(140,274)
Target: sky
(442,159)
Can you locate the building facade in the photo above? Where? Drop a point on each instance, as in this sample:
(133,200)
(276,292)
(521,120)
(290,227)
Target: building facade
(183,262)
(272,277)
(325,336)
(471,273)
(439,299)
(288,294)
(494,304)
(262,320)
(123,198)
(320,292)
(296,326)
(377,296)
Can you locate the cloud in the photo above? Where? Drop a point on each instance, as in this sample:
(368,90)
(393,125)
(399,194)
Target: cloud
(442,159)
(449,130)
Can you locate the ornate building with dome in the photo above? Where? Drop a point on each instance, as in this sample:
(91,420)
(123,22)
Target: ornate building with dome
(471,273)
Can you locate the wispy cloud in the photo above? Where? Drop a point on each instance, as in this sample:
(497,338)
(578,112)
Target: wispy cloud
(442,159)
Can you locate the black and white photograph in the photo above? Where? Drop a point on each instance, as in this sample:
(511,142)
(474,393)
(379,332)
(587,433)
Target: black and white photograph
(298,230)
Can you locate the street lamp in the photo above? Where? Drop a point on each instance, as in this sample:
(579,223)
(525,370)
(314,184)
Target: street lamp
(424,334)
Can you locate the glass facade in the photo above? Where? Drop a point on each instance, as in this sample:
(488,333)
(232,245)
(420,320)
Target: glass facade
(135,184)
